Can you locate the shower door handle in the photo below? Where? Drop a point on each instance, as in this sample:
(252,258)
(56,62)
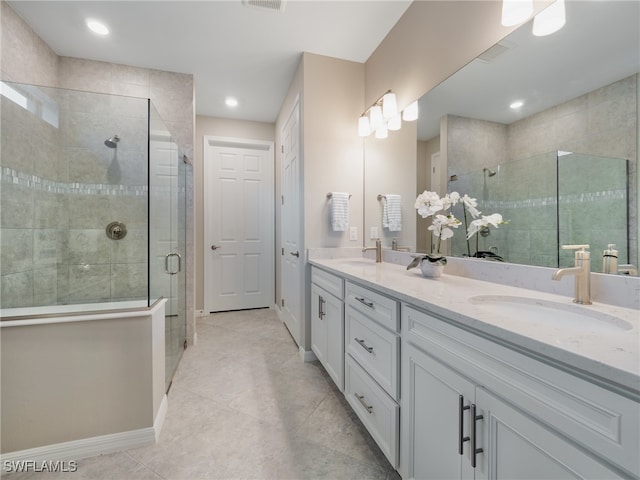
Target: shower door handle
(166,263)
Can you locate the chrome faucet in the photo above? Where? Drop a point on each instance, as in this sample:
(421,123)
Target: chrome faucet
(377,248)
(582,272)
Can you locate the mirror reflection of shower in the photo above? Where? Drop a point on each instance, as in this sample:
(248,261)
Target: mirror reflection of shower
(487,172)
(112,142)
(113,172)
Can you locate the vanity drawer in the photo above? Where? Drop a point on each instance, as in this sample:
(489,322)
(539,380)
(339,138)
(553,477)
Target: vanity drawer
(382,309)
(375,348)
(377,411)
(328,281)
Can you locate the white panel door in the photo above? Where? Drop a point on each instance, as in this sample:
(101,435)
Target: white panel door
(239,251)
(292,254)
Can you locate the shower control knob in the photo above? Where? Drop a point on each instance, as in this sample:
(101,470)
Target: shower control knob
(215,247)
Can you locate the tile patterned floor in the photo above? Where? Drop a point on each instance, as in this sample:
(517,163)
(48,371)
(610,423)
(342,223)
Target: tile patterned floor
(244,406)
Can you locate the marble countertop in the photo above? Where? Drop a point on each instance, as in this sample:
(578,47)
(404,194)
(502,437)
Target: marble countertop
(609,356)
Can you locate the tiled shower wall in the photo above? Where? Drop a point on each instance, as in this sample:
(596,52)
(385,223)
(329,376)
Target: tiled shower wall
(61,187)
(600,123)
(27,59)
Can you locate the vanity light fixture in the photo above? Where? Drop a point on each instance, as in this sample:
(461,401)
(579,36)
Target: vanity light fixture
(515,12)
(550,20)
(383,115)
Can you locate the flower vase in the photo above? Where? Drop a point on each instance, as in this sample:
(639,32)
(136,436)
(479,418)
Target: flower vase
(431,269)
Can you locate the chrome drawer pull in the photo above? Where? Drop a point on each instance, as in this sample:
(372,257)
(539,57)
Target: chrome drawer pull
(364,345)
(474,450)
(461,437)
(361,399)
(364,302)
(320,305)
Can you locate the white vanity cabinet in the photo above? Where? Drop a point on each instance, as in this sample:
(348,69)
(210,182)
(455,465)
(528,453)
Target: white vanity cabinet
(327,323)
(474,409)
(372,378)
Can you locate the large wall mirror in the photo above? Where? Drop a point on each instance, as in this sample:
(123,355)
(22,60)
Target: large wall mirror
(561,168)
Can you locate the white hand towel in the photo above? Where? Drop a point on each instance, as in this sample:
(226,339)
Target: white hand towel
(339,211)
(392,212)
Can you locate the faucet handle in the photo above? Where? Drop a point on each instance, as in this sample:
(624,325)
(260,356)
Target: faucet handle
(575,247)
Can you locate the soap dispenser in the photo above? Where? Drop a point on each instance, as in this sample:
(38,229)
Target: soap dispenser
(610,259)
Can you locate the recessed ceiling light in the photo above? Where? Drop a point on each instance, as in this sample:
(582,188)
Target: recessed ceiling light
(97,27)
(516,104)
(231,102)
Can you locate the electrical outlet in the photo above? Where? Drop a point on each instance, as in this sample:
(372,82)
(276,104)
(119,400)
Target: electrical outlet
(353,233)
(373,233)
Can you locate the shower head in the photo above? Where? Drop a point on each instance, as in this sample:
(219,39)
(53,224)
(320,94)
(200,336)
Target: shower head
(112,142)
(489,171)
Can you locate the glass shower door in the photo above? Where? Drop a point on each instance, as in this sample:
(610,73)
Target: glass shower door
(167,237)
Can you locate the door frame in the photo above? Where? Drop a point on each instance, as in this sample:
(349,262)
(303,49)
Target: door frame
(254,144)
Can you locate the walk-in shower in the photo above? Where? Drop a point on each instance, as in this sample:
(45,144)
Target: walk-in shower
(86,228)
(552,199)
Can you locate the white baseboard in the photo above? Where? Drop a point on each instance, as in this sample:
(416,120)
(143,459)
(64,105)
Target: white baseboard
(89,447)
(307,355)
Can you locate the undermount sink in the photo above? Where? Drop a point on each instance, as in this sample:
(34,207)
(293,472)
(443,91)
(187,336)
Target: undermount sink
(359,262)
(548,313)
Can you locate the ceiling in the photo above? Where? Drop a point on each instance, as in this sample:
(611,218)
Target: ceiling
(599,45)
(231,49)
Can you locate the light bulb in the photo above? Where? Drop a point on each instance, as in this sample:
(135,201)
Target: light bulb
(411,112)
(395,122)
(382,132)
(516,11)
(364,129)
(550,20)
(389,105)
(375,117)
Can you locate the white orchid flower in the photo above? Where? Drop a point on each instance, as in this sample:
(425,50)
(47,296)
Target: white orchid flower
(428,203)
(450,199)
(442,224)
(471,205)
(485,221)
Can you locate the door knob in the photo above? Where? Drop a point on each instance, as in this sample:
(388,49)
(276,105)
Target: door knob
(215,247)
(295,254)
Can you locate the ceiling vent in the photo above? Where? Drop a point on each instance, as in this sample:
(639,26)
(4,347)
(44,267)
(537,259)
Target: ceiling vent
(272,5)
(492,53)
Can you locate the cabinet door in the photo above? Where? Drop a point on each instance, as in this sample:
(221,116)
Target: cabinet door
(518,447)
(431,419)
(318,324)
(333,310)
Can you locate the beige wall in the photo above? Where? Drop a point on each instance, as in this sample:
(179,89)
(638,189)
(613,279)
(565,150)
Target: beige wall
(218,127)
(390,167)
(330,94)
(88,379)
(425,150)
(430,42)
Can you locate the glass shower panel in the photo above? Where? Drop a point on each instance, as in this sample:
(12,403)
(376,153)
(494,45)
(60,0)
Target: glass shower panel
(593,206)
(166,233)
(62,185)
(524,193)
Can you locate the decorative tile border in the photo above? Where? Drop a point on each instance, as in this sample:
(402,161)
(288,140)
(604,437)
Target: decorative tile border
(15,177)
